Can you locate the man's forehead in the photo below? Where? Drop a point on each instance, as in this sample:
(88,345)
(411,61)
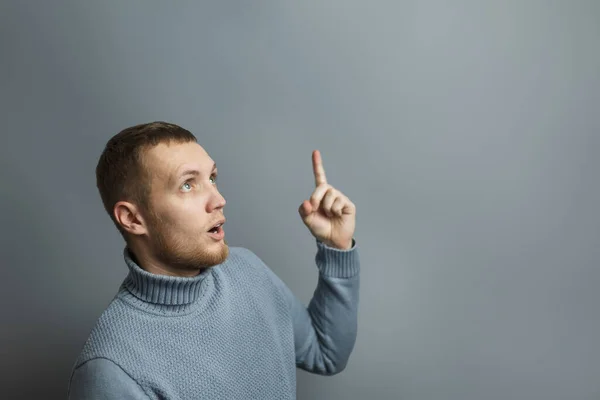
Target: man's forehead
(168,161)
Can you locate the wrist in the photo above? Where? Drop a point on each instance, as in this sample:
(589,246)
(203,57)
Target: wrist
(340,246)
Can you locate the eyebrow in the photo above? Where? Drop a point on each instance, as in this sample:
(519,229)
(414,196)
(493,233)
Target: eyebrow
(193,172)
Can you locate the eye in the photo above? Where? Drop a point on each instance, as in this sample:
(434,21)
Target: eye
(186,186)
(214,178)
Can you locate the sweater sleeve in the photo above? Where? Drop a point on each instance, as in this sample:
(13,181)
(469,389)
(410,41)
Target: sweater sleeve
(101,379)
(325,331)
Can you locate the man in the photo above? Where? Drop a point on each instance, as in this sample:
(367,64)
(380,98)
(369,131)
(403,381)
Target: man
(195,319)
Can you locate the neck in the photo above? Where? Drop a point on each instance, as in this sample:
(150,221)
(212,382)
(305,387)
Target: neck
(161,289)
(148,263)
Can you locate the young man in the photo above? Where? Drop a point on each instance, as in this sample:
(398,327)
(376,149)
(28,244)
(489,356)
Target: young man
(194,318)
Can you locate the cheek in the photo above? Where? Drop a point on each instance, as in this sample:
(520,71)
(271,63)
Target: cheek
(191,218)
(187,213)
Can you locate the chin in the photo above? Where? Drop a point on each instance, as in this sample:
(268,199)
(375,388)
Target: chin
(215,256)
(191,256)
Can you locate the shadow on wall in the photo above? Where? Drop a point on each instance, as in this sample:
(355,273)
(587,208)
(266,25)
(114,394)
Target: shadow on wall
(38,346)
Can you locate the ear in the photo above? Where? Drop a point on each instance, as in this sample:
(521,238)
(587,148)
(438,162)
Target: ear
(129,217)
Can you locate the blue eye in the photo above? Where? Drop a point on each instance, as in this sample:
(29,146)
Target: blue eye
(187,184)
(214,178)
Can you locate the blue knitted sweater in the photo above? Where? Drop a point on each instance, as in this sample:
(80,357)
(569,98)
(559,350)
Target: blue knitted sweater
(235,331)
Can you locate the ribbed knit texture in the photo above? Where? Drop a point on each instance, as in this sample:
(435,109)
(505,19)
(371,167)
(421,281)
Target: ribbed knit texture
(235,331)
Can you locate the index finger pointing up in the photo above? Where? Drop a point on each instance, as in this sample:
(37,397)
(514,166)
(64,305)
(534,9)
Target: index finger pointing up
(318,168)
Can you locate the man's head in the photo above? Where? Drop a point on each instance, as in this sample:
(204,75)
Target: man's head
(159,187)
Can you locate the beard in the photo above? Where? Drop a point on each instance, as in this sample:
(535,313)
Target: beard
(183,251)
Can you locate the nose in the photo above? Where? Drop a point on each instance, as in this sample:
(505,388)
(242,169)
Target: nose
(217,201)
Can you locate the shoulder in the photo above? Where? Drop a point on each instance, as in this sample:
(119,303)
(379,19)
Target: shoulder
(246,262)
(106,336)
(103,377)
(237,253)
(246,258)
(245,265)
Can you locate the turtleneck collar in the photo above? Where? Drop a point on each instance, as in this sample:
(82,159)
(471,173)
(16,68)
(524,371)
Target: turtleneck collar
(162,289)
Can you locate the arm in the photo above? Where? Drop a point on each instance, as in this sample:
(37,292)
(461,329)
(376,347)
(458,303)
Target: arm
(101,379)
(325,331)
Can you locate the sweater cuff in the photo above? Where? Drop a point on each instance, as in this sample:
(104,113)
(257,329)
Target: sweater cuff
(337,263)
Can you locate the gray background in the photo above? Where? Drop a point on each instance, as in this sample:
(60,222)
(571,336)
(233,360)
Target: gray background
(466,132)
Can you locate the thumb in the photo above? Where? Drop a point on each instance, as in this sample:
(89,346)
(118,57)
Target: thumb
(305,210)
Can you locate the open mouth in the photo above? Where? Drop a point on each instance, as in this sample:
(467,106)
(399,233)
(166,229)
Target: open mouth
(216,228)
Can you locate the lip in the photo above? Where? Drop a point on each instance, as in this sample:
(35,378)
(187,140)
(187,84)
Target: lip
(220,221)
(219,235)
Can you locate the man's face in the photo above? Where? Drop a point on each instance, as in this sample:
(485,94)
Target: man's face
(184,205)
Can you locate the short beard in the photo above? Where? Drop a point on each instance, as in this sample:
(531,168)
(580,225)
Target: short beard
(185,254)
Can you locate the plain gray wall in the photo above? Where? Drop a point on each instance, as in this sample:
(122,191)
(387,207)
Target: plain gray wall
(466,132)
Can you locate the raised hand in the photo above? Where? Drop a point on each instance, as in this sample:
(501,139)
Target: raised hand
(329,215)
